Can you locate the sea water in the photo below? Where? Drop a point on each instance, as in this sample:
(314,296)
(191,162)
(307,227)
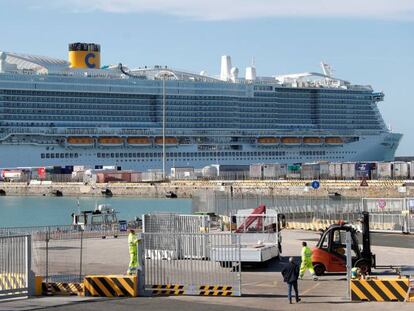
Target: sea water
(40,211)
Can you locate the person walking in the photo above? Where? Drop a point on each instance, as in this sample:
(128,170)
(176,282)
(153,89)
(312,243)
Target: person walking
(306,263)
(290,275)
(133,252)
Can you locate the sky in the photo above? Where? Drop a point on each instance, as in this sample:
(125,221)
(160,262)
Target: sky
(366,42)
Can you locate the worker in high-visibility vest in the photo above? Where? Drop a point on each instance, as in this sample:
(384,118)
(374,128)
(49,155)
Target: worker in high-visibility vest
(306,263)
(133,252)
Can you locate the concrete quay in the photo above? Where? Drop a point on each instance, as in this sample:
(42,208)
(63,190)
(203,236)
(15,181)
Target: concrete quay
(238,189)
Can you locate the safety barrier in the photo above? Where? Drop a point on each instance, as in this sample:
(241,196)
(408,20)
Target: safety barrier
(168,290)
(15,259)
(208,290)
(379,289)
(62,288)
(110,286)
(182,264)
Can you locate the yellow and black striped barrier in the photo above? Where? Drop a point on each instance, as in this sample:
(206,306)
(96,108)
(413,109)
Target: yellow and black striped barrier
(168,289)
(62,288)
(110,286)
(12,281)
(379,289)
(210,290)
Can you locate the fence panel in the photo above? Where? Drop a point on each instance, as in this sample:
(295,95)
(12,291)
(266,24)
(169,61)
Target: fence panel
(183,264)
(14,266)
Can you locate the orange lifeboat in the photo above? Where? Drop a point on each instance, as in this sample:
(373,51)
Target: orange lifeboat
(268,140)
(111,141)
(168,140)
(139,141)
(291,140)
(312,140)
(80,141)
(334,140)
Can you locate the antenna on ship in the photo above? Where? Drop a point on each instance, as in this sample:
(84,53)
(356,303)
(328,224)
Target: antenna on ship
(251,71)
(326,69)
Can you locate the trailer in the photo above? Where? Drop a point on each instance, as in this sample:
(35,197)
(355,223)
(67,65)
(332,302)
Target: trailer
(260,237)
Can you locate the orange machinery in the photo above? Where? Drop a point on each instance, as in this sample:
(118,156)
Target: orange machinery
(329,254)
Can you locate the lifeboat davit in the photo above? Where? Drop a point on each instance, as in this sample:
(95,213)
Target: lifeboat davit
(334,140)
(312,140)
(111,141)
(138,141)
(268,140)
(80,141)
(291,140)
(169,141)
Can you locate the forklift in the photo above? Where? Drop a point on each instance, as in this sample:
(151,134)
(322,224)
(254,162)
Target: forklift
(329,254)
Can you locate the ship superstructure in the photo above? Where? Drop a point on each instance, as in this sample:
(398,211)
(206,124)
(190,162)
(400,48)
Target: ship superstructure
(59,113)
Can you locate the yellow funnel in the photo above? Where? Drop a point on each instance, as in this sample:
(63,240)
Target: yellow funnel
(85,55)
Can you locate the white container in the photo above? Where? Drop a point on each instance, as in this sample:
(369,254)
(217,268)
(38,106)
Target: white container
(256,171)
(323,170)
(384,170)
(348,170)
(335,170)
(400,170)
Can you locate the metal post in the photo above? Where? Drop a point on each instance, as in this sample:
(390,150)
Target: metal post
(81,256)
(141,267)
(47,255)
(348,241)
(163,127)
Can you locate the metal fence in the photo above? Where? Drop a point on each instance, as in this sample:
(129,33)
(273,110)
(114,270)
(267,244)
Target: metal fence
(183,263)
(396,216)
(58,252)
(14,266)
(171,222)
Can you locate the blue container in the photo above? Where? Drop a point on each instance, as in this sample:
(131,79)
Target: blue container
(123,225)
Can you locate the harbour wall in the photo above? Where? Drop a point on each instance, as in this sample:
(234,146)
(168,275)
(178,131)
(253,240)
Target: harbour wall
(237,189)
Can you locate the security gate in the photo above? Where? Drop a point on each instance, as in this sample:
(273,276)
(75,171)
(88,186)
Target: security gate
(181,264)
(390,214)
(14,266)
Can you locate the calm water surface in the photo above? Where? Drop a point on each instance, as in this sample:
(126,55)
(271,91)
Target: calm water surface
(38,211)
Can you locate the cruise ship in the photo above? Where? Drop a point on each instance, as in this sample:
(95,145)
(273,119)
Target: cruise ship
(55,112)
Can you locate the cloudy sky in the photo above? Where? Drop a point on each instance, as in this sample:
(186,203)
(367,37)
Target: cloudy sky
(366,42)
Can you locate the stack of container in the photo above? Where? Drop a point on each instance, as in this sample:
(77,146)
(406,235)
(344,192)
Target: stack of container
(348,170)
(335,171)
(400,170)
(310,171)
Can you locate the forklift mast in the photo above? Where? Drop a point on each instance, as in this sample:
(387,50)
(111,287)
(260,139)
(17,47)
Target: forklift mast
(366,238)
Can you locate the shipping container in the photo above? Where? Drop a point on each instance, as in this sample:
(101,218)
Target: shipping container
(335,170)
(182,172)
(209,171)
(383,170)
(363,170)
(293,171)
(348,170)
(324,170)
(310,171)
(412,169)
(256,171)
(274,171)
(400,170)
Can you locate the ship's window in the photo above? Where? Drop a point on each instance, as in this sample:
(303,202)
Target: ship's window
(42,155)
(52,155)
(116,155)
